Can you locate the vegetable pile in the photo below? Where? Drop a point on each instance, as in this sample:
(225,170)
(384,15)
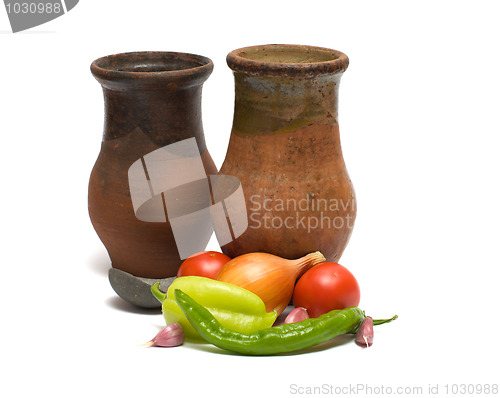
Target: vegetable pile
(272,278)
(233,304)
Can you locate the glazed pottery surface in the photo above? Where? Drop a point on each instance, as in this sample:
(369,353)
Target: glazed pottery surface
(152,123)
(285,150)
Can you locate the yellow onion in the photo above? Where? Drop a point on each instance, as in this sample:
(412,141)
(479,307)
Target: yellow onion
(270,277)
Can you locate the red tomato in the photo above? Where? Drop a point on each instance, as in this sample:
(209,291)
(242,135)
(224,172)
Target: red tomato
(205,264)
(326,287)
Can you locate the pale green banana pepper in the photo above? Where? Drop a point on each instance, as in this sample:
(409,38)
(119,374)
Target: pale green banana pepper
(234,307)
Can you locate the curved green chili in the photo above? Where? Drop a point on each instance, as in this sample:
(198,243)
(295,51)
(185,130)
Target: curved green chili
(278,339)
(234,307)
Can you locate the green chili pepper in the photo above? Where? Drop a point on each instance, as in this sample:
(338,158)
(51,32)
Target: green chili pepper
(234,307)
(278,339)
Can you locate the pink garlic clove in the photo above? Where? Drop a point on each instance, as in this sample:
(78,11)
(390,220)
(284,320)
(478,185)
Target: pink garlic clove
(296,315)
(171,335)
(364,336)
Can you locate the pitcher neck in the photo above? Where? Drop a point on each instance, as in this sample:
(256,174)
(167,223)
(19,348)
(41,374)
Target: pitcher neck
(277,104)
(156,94)
(283,87)
(164,116)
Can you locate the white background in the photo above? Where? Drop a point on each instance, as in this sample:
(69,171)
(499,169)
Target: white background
(419,120)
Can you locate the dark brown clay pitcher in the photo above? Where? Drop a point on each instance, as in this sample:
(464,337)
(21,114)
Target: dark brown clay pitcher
(153,142)
(285,149)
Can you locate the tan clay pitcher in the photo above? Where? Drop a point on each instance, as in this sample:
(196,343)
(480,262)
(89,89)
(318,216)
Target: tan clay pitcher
(285,150)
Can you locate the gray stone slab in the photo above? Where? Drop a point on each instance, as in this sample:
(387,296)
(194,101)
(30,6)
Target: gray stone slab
(137,290)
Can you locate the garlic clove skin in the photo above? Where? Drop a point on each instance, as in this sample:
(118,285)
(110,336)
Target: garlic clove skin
(171,335)
(297,315)
(364,335)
